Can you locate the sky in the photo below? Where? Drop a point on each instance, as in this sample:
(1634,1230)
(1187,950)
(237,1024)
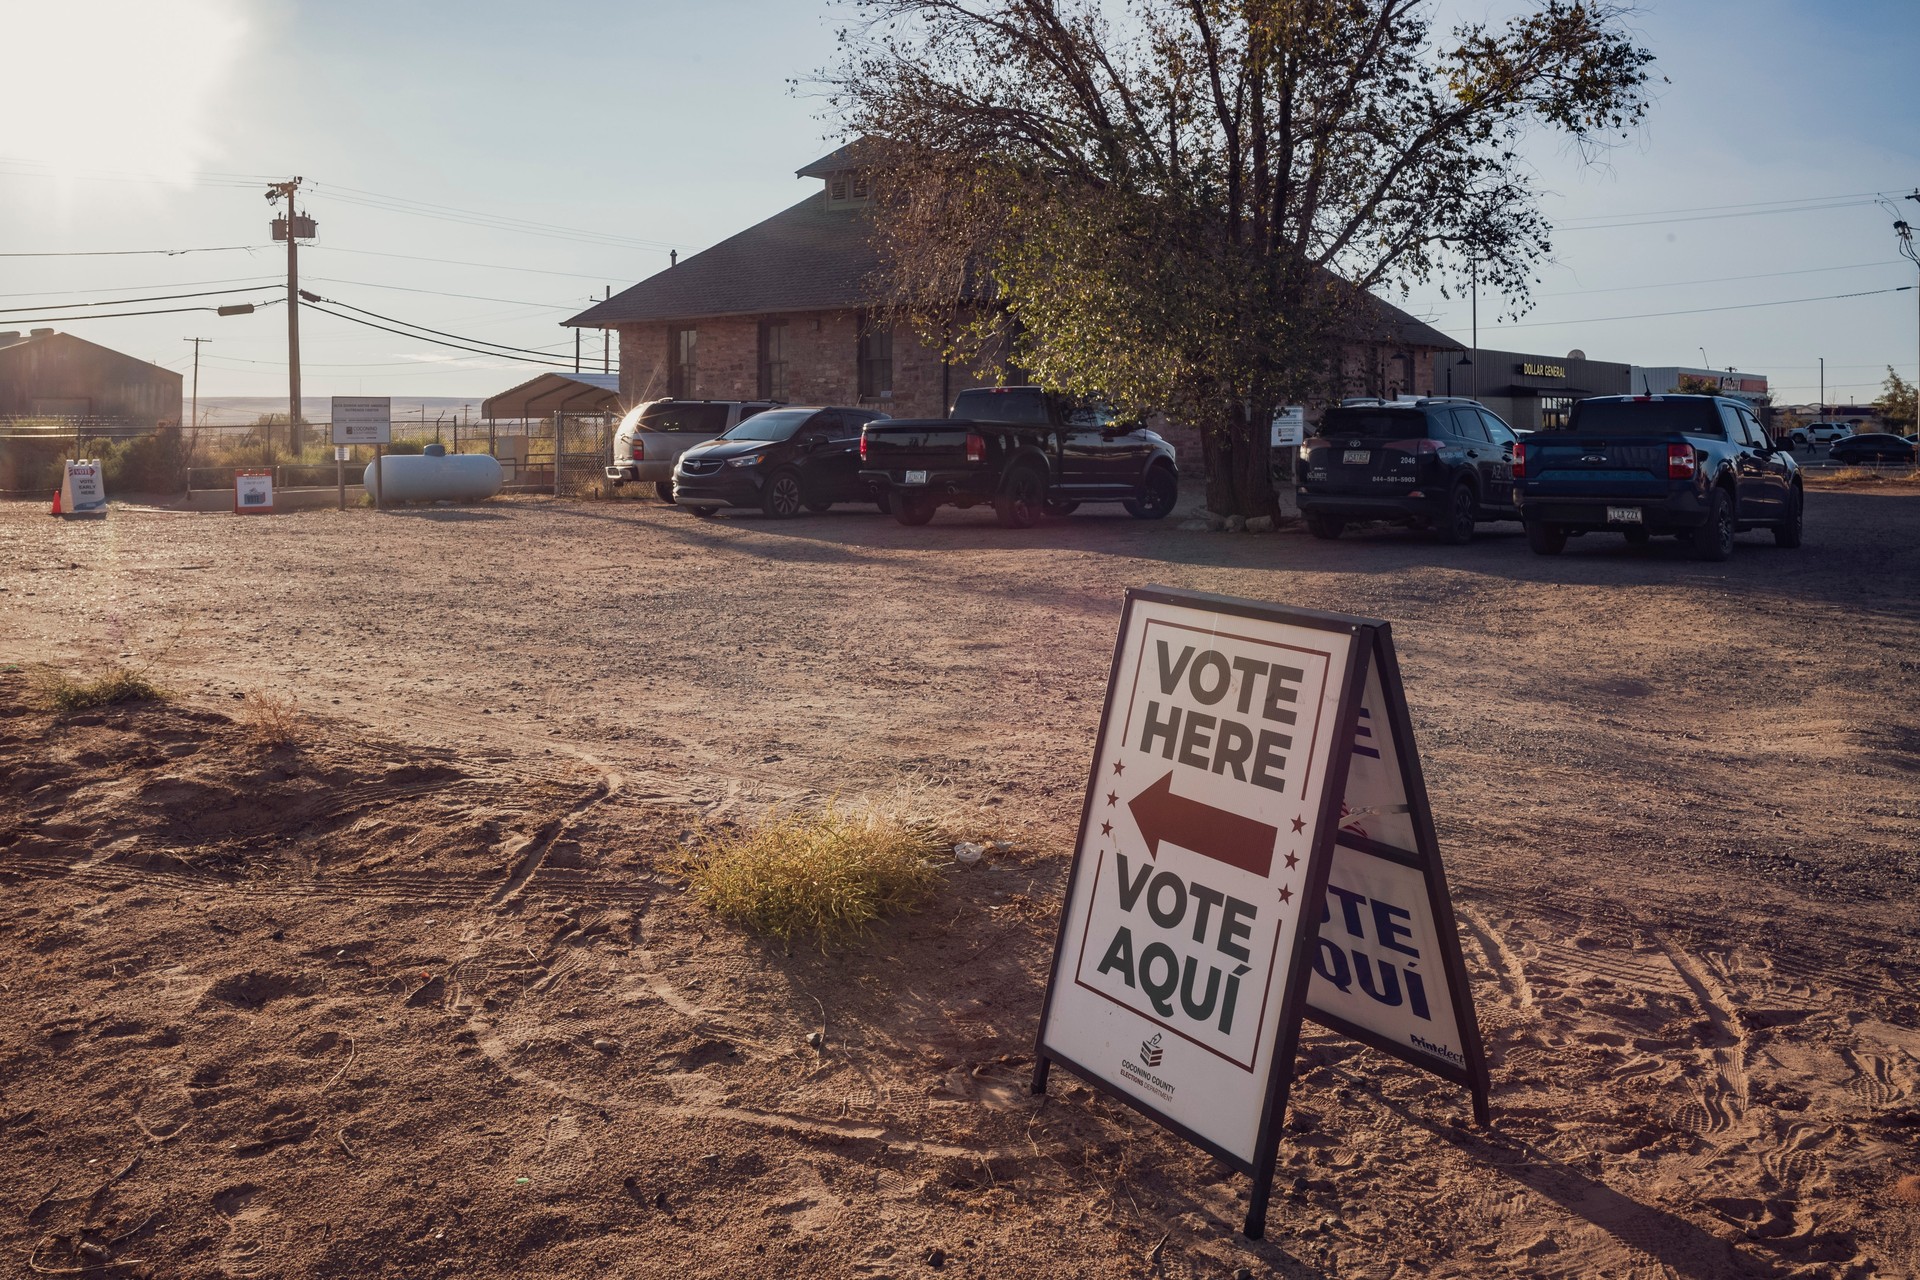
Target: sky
(485,168)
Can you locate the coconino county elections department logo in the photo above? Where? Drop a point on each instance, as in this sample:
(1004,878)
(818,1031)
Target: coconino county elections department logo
(1143,1074)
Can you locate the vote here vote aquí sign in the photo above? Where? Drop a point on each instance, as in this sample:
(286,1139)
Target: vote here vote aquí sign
(1201,893)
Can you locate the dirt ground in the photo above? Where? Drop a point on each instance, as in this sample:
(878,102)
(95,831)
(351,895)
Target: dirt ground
(422,995)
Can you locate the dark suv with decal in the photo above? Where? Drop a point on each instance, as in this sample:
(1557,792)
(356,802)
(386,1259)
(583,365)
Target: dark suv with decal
(1442,464)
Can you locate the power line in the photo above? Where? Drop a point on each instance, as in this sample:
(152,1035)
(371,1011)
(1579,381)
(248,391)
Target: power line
(123,315)
(1805,204)
(1694,311)
(161,297)
(557,364)
(116,288)
(442,293)
(311,297)
(455,262)
(122,253)
(471,217)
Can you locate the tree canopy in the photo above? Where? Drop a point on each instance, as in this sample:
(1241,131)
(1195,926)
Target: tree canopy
(1183,205)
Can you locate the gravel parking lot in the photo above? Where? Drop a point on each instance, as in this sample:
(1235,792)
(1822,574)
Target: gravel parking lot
(1680,804)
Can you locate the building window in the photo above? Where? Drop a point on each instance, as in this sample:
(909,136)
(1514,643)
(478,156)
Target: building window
(1554,411)
(837,188)
(861,188)
(773,360)
(683,362)
(876,361)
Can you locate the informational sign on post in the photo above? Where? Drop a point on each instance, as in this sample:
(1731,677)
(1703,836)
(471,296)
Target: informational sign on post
(253,493)
(363,420)
(1289,427)
(1213,870)
(83,488)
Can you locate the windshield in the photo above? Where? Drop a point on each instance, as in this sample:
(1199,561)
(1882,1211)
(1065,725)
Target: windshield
(775,424)
(1375,424)
(681,416)
(1689,415)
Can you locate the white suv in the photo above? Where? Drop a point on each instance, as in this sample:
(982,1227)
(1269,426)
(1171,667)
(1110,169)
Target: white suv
(1820,433)
(653,436)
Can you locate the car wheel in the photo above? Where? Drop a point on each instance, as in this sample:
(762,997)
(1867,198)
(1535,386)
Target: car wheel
(818,507)
(1022,498)
(703,512)
(1787,532)
(1546,539)
(1326,527)
(1158,494)
(914,509)
(885,503)
(1714,539)
(664,488)
(1638,537)
(781,497)
(1456,527)
(1059,510)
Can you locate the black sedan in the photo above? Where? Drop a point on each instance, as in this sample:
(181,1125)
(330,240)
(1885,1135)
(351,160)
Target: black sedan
(1874,448)
(781,461)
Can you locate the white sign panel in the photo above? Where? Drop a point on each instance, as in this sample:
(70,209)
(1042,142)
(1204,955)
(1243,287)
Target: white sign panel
(1379,963)
(1177,947)
(253,492)
(363,420)
(83,488)
(1289,427)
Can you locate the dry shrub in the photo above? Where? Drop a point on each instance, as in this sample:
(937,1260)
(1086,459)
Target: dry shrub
(270,719)
(825,875)
(61,692)
(1847,476)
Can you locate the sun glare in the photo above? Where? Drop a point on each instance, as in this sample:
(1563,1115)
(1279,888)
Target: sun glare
(120,84)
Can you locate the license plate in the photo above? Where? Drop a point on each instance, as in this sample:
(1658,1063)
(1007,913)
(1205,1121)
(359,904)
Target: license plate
(916,477)
(1624,515)
(1359,456)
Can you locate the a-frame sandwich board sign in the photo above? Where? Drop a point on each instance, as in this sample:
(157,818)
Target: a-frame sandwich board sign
(1388,969)
(1189,934)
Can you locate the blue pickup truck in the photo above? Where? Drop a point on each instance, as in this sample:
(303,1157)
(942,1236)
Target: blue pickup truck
(1699,468)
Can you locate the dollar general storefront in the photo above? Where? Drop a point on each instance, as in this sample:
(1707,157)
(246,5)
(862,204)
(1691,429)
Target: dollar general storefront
(1531,392)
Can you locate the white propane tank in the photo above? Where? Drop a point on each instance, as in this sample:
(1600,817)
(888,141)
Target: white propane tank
(434,476)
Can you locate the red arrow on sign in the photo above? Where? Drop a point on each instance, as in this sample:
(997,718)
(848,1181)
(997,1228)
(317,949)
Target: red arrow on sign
(1213,833)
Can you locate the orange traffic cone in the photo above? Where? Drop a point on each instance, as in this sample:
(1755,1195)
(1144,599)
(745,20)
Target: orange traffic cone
(56,503)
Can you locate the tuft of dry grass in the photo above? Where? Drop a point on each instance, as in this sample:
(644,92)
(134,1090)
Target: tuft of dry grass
(824,875)
(1863,477)
(270,719)
(58,691)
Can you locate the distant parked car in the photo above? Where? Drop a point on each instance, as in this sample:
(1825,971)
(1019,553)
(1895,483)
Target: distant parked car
(653,434)
(1819,433)
(781,461)
(1440,463)
(1873,449)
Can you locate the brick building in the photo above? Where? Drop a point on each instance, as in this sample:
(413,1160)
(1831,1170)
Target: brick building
(779,311)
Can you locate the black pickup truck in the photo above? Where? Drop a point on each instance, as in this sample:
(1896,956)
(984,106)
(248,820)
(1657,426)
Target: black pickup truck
(1029,452)
(1701,468)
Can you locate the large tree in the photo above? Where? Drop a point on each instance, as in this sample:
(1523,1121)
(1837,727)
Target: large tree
(1184,205)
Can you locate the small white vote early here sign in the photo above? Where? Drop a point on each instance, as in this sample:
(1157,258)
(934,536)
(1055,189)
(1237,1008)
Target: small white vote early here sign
(1225,884)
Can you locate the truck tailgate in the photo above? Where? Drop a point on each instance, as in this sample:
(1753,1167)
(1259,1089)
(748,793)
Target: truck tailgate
(1612,466)
(914,448)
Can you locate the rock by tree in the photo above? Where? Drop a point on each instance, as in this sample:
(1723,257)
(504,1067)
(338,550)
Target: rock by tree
(1184,208)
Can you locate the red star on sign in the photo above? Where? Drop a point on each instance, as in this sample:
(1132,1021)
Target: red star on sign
(1286,894)
(1293,860)
(1299,824)
(1106,828)
(1113,798)
(1118,767)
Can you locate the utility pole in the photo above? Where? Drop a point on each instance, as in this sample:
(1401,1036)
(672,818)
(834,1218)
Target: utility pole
(606,341)
(1821,415)
(1912,255)
(193,436)
(293,229)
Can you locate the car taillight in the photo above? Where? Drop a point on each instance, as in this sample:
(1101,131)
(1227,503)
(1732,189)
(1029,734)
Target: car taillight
(1680,463)
(639,450)
(1519,462)
(1312,442)
(1414,446)
(976,447)
(863,446)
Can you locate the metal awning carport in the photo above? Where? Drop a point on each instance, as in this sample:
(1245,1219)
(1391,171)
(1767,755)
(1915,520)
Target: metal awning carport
(552,393)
